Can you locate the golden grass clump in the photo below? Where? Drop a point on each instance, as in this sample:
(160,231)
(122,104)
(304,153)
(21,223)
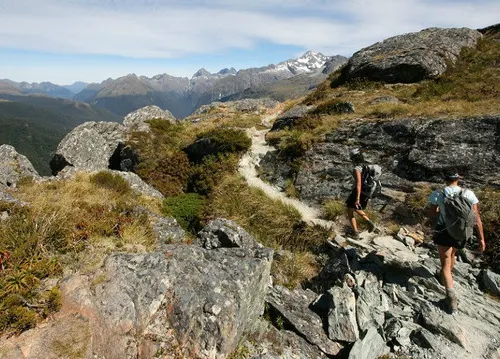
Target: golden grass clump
(290,271)
(67,224)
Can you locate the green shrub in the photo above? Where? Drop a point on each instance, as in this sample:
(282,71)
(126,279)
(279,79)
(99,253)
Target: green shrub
(294,144)
(228,140)
(111,181)
(333,209)
(186,208)
(205,176)
(54,300)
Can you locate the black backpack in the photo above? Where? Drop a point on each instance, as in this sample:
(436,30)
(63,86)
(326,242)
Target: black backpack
(459,217)
(370,180)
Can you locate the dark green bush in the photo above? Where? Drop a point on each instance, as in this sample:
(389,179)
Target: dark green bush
(228,140)
(334,108)
(186,208)
(205,176)
(111,181)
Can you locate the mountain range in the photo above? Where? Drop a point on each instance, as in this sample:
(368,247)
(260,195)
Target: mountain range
(183,95)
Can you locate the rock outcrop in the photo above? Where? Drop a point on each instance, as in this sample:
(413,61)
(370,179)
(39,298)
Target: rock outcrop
(411,57)
(136,121)
(409,151)
(223,233)
(94,146)
(14,166)
(288,118)
(183,301)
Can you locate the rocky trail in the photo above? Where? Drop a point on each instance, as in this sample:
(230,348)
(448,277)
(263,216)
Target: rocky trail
(247,169)
(378,295)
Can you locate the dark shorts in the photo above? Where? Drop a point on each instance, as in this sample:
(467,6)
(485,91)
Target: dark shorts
(443,238)
(351,200)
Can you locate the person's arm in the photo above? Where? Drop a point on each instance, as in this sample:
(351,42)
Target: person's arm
(433,211)
(479,225)
(358,188)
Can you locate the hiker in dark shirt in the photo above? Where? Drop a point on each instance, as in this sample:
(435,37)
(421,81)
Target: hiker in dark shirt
(446,243)
(357,200)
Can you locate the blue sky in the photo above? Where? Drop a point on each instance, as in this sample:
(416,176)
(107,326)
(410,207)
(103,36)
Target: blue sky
(91,40)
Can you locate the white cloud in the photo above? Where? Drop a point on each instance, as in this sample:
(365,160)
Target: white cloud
(173,29)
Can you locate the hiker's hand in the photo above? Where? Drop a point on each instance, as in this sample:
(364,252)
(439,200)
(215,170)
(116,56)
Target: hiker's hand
(482,245)
(357,205)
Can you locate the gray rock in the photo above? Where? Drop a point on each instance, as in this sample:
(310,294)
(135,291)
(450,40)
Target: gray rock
(4,215)
(6,197)
(335,63)
(14,166)
(407,150)
(411,57)
(369,306)
(372,346)
(168,231)
(221,233)
(438,322)
(293,307)
(244,105)
(342,325)
(138,185)
(267,342)
(491,282)
(136,121)
(384,99)
(290,117)
(91,146)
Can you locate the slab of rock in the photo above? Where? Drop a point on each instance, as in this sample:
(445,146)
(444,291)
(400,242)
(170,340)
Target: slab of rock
(184,302)
(136,121)
(372,346)
(138,185)
(168,231)
(342,325)
(265,341)
(491,282)
(224,233)
(14,166)
(411,57)
(293,307)
(91,146)
(369,305)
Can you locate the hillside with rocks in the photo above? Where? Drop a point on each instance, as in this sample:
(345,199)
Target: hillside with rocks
(222,235)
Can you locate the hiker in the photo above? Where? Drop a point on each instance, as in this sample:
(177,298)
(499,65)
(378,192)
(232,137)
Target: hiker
(458,214)
(359,197)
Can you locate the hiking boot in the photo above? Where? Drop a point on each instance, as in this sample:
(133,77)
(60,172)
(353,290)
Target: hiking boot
(354,235)
(371,226)
(451,300)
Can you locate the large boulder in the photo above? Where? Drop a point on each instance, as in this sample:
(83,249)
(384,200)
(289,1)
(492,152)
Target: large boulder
(409,151)
(223,233)
(290,117)
(94,146)
(372,346)
(136,121)
(14,166)
(182,302)
(411,57)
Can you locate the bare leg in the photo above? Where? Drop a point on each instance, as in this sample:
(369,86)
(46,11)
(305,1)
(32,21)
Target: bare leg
(362,214)
(447,261)
(352,219)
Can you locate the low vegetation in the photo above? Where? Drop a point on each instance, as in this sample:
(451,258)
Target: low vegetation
(68,224)
(489,206)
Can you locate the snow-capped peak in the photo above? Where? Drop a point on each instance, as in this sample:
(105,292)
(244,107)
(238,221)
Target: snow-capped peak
(308,62)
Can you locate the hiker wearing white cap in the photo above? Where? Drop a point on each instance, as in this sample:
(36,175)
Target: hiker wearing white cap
(458,214)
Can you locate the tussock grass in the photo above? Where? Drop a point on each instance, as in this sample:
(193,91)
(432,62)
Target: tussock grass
(291,271)
(333,209)
(274,224)
(69,223)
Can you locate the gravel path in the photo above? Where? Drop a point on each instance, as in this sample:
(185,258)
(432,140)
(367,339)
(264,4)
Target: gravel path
(247,169)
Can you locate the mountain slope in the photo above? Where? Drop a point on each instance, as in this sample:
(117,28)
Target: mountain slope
(35,125)
(43,88)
